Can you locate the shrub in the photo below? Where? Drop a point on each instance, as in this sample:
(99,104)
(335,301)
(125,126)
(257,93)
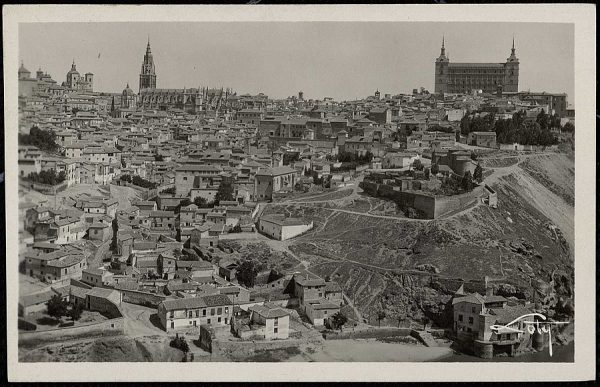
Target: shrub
(47,177)
(42,139)
(180,343)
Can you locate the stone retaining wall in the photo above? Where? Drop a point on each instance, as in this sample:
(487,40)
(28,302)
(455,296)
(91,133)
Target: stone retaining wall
(142,298)
(223,349)
(367,333)
(110,327)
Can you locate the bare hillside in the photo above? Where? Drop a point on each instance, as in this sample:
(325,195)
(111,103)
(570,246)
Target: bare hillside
(409,268)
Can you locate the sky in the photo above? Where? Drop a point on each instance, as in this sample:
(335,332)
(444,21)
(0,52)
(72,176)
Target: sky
(343,60)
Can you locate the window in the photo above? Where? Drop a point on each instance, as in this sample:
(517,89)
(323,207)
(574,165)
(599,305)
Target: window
(212,311)
(190,314)
(460,317)
(473,309)
(208,321)
(470,320)
(219,310)
(276,321)
(226,309)
(275,330)
(197,313)
(219,319)
(172,314)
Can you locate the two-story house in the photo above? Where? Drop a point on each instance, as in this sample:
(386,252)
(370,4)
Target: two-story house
(195,311)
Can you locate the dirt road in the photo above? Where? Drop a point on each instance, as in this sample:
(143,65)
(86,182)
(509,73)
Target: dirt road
(141,321)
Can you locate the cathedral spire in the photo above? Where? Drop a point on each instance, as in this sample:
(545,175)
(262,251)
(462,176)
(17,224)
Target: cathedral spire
(443,50)
(513,46)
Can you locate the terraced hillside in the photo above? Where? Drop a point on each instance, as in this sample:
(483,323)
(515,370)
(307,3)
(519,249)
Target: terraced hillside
(409,268)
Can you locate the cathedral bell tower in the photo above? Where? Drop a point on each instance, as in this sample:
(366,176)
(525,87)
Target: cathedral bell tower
(148,74)
(441,70)
(511,72)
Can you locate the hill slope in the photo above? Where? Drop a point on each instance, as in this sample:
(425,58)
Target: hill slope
(524,245)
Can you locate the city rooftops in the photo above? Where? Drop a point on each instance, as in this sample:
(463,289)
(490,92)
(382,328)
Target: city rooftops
(36,298)
(269,310)
(281,220)
(196,302)
(304,280)
(276,171)
(476,65)
(94,271)
(198,168)
(322,304)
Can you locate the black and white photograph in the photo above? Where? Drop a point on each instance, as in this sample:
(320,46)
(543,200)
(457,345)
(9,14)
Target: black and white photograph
(272,192)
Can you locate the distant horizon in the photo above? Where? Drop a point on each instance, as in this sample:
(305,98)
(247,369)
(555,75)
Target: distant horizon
(342,60)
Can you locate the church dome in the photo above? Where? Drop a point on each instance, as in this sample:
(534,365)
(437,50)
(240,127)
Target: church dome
(73,70)
(23,70)
(127,90)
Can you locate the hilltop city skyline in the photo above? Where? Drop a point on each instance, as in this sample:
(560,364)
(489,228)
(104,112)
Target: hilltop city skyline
(178,67)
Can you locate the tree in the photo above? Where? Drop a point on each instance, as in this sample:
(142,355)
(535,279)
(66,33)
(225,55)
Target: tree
(42,139)
(417,165)
(49,177)
(427,172)
(115,229)
(473,156)
(183,203)
(543,120)
(435,169)
(401,316)
(201,202)
(236,229)
(569,127)
(380,316)
(478,173)
(75,312)
(338,320)
(466,182)
(170,190)
(56,307)
(180,343)
(225,192)
(246,273)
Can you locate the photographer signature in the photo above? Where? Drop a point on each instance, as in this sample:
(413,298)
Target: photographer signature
(541,327)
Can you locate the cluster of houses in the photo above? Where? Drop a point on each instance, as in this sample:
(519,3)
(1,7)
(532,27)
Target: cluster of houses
(200,176)
(475,315)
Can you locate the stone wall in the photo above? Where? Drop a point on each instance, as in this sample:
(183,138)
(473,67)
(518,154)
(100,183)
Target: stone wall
(222,349)
(371,333)
(142,298)
(446,204)
(110,327)
(105,306)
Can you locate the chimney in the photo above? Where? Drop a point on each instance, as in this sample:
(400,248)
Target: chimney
(307,276)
